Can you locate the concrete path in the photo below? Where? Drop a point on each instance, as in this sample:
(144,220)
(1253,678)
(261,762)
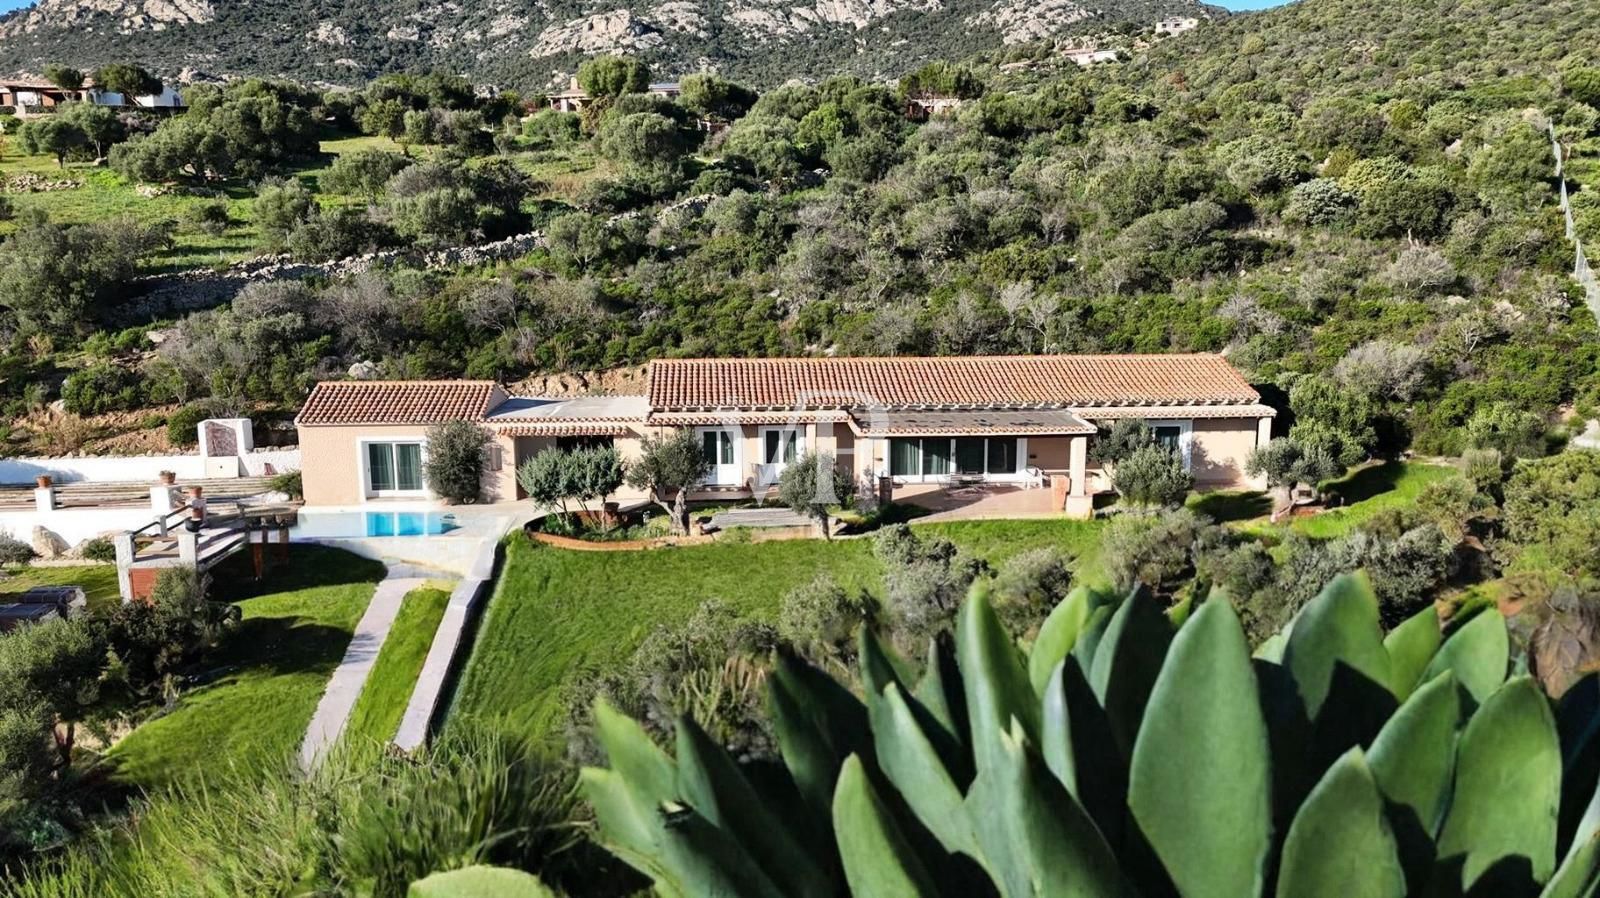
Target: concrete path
(344,688)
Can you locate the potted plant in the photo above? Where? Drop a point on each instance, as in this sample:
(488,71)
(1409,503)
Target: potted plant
(169,477)
(43,481)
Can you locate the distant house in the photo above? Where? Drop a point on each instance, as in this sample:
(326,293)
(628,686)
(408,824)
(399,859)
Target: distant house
(1091,56)
(1002,419)
(43,97)
(1177,25)
(169,98)
(33,96)
(576,99)
(925,107)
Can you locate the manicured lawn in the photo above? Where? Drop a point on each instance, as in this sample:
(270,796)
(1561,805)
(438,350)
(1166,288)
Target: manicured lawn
(99,581)
(383,699)
(1365,493)
(267,676)
(556,613)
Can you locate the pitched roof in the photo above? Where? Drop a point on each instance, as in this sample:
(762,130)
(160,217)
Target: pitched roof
(954,382)
(399,402)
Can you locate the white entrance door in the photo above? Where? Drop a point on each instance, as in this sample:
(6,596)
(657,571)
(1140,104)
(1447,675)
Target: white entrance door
(721,448)
(780,447)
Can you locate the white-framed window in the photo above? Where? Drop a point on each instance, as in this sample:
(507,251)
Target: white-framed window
(393,467)
(1178,436)
(721,447)
(782,445)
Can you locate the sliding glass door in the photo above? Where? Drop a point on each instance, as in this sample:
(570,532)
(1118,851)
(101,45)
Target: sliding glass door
(394,468)
(932,458)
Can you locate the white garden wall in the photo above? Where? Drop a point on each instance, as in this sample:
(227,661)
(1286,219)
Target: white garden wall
(74,525)
(141,469)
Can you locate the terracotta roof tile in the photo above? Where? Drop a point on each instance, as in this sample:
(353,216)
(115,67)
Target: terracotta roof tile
(959,382)
(399,402)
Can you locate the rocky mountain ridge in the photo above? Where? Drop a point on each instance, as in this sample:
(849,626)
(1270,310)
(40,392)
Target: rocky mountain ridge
(530,43)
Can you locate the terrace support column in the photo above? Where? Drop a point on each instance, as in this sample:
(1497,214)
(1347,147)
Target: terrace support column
(1263,437)
(188,547)
(44,498)
(1080,505)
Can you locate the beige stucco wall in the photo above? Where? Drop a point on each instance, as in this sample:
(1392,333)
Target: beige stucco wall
(1220,447)
(331,465)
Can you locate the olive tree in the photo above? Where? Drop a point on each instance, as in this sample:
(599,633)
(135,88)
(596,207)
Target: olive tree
(1152,476)
(554,476)
(454,468)
(668,467)
(813,484)
(1287,463)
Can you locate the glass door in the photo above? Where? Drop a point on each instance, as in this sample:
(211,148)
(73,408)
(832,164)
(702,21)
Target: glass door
(935,457)
(969,455)
(394,468)
(718,446)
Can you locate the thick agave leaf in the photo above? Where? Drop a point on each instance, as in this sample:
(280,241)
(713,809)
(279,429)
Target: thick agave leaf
(1340,842)
(670,843)
(1411,647)
(1579,874)
(1337,628)
(1127,662)
(908,758)
(712,784)
(1058,635)
(818,724)
(940,690)
(1037,840)
(878,858)
(1478,653)
(1502,818)
(1076,734)
(480,882)
(996,683)
(647,769)
(1578,721)
(1413,760)
(1089,638)
(1271,650)
(878,674)
(1208,821)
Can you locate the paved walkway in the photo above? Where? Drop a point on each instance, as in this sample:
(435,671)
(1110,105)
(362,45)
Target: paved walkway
(344,688)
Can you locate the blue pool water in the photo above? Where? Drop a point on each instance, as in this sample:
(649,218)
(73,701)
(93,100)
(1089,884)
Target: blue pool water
(409,523)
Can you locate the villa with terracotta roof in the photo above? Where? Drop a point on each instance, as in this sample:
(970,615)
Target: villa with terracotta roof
(1021,420)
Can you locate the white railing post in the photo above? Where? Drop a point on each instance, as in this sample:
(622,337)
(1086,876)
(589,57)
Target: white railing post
(124,545)
(188,547)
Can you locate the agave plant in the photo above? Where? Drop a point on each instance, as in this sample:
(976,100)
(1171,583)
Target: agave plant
(1134,751)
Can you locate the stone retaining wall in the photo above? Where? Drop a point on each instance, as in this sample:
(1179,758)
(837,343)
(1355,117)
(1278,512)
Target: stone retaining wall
(201,288)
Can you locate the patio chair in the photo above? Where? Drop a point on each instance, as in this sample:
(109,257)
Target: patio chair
(1033,479)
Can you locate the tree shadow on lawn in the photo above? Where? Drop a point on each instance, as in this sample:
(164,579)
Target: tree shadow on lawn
(308,567)
(1367,483)
(1229,507)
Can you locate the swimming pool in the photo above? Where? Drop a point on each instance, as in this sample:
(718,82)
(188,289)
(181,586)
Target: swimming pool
(409,523)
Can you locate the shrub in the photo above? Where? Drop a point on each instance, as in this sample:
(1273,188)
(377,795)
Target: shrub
(1513,432)
(820,619)
(1029,585)
(209,218)
(183,425)
(1152,475)
(1552,508)
(98,549)
(100,389)
(1156,551)
(363,173)
(282,204)
(923,582)
(290,483)
(8,211)
(454,468)
(15,551)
